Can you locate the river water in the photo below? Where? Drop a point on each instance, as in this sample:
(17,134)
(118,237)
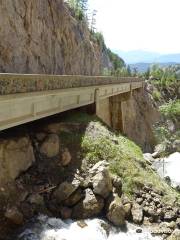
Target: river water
(169,166)
(45,228)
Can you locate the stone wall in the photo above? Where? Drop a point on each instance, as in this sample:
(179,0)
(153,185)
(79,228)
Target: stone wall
(14,83)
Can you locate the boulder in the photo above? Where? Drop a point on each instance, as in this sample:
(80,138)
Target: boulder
(117,184)
(175,235)
(82,224)
(148,157)
(102,184)
(65,190)
(137,213)
(50,146)
(14,215)
(65,212)
(176,145)
(159,150)
(127,209)
(16,156)
(170,215)
(90,206)
(66,157)
(36,199)
(74,198)
(115,211)
(98,167)
(178,222)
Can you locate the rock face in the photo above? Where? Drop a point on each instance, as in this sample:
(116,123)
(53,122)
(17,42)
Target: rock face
(44,37)
(16,156)
(139,116)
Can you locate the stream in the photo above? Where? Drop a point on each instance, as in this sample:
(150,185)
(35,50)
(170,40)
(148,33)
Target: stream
(45,228)
(169,166)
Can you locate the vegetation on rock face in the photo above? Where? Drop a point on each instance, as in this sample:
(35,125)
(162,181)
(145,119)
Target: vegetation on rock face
(171,109)
(79,11)
(164,86)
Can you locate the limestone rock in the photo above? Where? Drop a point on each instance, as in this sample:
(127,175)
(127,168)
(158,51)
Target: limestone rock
(137,213)
(14,215)
(51,146)
(90,206)
(65,189)
(116,212)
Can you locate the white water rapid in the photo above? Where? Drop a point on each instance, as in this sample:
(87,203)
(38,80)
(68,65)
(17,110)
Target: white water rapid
(170,167)
(46,228)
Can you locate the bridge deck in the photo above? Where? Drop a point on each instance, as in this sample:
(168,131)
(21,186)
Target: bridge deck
(25,98)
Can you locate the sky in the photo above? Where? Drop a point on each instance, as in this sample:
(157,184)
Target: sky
(152,25)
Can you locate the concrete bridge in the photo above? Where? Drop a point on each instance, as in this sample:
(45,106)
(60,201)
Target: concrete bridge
(25,98)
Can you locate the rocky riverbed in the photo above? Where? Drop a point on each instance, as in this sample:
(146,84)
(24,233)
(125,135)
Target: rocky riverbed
(79,171)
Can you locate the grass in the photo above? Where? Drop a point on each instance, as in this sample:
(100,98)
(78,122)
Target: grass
(156,95)
(125,158)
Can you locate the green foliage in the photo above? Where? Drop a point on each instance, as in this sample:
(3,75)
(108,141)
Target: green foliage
(162,134)
(156,95)
(79,8)
(118,63)
(94,142)
(125,159)
(162,76)
(171,109)
(98,38)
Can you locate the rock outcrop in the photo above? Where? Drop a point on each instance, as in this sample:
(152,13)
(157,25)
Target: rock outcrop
(44,37)
(139,115)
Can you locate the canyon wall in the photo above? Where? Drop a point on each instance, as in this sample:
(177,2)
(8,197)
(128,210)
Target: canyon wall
(43,37)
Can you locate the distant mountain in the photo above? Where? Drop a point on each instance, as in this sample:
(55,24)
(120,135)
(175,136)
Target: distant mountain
(143,67)
(139,56)
(168,58)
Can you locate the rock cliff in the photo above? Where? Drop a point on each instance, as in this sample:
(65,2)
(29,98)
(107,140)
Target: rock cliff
(43,37)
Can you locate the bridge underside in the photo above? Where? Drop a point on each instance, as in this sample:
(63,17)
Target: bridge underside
(20,108)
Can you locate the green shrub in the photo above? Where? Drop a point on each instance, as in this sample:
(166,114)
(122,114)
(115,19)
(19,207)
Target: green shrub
(156,95)
(171,109)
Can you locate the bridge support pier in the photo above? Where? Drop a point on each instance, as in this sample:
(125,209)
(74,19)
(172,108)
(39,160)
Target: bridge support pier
(110,110)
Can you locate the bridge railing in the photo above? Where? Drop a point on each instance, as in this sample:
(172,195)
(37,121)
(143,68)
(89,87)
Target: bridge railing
(23,83)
